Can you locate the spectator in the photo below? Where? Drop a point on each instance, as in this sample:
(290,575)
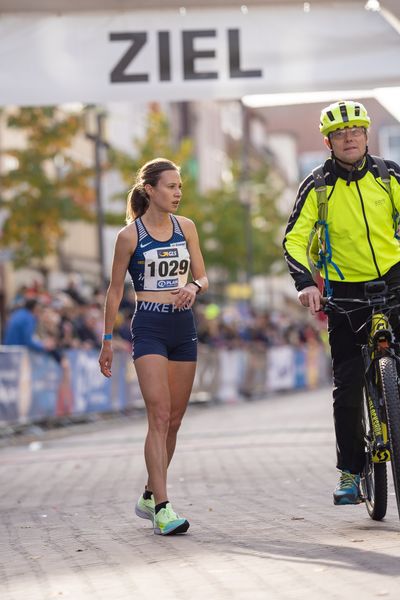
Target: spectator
(21,328)
(87,328)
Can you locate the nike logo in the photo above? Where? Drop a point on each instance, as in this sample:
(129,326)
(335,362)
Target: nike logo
(194,339)
(144,245)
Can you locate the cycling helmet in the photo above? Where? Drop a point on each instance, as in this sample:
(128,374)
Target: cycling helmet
(345,113)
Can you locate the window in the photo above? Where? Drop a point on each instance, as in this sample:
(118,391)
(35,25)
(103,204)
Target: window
(389,142)
(309,160)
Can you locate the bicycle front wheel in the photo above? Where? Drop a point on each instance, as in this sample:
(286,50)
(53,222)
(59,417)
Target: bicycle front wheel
(374,475)
(391,398)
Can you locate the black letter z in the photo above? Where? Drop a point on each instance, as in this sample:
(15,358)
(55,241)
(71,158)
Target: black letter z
(118,74)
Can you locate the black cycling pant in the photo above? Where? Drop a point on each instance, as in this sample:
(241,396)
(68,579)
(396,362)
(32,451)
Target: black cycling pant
(348,371)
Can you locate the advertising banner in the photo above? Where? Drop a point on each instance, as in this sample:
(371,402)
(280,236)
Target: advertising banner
(11,378)
(34,387)
(46,377)
(90,389)
(281,371)
(198,54)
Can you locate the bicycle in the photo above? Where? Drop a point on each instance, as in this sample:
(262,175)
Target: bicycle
(381,405)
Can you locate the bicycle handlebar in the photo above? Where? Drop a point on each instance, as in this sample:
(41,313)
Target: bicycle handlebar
(373,301)
(384,301)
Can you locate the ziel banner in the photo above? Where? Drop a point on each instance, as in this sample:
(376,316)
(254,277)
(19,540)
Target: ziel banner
(202,54)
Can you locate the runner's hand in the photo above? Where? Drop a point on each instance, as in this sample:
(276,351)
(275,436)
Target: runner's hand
(105,359)
(185,296)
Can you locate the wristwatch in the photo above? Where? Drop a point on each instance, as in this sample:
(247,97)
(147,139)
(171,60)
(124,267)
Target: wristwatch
(198,285)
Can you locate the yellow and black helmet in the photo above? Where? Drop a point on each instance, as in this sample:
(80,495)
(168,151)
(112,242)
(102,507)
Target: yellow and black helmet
(345,113)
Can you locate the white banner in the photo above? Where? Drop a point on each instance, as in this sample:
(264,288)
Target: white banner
(144,56)
(281,370)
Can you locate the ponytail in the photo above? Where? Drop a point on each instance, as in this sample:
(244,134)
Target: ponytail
(137,204)
(138,201)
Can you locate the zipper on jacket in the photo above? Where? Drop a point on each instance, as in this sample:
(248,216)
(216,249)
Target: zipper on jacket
(367,227)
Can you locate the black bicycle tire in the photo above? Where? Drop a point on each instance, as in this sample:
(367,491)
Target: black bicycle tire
(377,505)
(374,486)
(391,397)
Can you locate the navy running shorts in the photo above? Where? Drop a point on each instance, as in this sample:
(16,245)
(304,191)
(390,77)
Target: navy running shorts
(163,329)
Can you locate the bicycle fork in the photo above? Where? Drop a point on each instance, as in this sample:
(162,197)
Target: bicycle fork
(378,445)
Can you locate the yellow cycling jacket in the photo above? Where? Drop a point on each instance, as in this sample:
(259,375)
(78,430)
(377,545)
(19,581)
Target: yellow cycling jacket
(360,224)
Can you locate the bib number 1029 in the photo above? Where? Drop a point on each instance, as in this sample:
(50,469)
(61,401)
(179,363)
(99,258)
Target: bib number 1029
(167,268)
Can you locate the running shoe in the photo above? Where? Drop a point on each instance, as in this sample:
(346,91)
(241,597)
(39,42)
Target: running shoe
(348,489)
(167,522)
(145,508)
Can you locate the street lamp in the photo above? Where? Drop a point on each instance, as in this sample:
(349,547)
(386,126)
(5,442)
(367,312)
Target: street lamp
(245,191)
(94,125)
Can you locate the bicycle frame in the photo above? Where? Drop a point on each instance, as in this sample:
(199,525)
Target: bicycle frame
(381,420)
(379,342)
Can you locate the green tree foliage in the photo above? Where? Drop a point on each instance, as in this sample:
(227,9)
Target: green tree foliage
(47,186)
(219,214)
(235,230)
(156,143)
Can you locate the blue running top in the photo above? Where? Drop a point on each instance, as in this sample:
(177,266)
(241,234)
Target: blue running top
(157,266)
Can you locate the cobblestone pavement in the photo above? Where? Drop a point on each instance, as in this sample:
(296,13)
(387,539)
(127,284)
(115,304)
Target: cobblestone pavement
(255,481)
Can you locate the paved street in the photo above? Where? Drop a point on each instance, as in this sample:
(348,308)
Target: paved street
(255,481)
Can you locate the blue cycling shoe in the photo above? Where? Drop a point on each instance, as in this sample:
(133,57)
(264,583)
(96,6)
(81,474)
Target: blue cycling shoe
(348,489)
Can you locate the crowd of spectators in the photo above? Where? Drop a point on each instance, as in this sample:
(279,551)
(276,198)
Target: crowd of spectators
(238,325)
(68,319)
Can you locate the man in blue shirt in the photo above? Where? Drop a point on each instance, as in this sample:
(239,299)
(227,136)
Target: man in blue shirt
(21,327)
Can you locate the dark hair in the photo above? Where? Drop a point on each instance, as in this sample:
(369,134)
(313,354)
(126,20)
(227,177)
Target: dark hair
(138,200)
(31,303)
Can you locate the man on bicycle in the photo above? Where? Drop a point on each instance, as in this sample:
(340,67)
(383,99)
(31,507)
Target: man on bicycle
(356,243)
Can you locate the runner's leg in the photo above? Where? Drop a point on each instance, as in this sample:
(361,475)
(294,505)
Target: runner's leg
(180,377)
(152,372)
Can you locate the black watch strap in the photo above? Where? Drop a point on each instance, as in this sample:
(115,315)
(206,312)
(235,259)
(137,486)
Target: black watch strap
(198,285)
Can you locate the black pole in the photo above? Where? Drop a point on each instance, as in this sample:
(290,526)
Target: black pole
(2,301)
(245,192)
(2,283)
(99,143)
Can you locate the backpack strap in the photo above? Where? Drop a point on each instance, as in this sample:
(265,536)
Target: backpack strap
(320,190)
(385,177)
(325,250)
(382,169)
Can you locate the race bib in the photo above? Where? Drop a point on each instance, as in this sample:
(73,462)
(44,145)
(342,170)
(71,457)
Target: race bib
(166,268)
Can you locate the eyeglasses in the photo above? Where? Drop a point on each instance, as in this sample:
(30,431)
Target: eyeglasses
(340,134)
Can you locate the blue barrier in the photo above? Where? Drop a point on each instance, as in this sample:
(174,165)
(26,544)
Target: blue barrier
(35,387)
(46,378)
(10,377)
(91,391)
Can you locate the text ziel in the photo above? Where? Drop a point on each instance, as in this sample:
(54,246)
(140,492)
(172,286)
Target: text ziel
(139,41)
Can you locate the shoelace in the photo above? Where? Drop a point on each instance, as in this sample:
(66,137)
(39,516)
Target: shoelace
(347,480)
(168,514)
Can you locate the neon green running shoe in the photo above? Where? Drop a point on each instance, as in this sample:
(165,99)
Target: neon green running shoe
(167,522)
(145,508)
